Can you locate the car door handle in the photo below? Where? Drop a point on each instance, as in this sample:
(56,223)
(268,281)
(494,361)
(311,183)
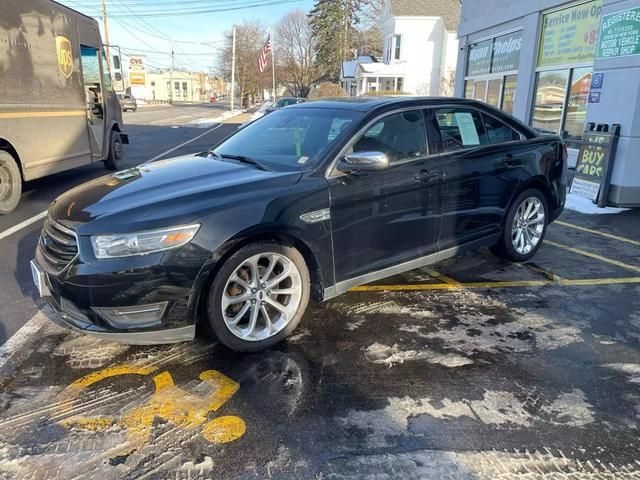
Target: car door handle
(425,176)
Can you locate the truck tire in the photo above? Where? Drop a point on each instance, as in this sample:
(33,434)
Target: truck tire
(10,183)
(116,152)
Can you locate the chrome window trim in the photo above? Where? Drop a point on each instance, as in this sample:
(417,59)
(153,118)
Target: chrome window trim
(329,172)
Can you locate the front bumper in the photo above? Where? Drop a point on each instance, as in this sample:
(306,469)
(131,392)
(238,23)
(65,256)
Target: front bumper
(83,292)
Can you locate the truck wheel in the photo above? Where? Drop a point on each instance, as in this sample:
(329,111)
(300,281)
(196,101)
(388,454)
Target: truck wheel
(10,183)
(258,296)
(116,152)
(525,227)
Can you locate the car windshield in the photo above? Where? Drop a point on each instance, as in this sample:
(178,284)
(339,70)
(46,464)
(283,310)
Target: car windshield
(290,139)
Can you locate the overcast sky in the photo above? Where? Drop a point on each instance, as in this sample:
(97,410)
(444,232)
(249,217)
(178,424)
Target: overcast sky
(146,35)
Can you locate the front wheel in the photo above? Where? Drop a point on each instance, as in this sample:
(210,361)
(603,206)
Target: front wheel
(258,296)
(116,152)
(10,183)
(525,227)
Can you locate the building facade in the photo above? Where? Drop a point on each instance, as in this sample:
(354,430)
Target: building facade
(420,50)
(536,60)
(191,87)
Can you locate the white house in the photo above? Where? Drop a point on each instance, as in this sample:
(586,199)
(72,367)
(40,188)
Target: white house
(420,50)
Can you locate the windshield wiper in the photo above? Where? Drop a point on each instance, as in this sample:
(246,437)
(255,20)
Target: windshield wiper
(248,160)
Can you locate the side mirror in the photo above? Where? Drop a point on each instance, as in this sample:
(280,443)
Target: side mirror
(116,62)
(363,162)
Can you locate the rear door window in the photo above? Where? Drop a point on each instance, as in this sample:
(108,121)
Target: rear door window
(498,132)
(401,136)
(460,128)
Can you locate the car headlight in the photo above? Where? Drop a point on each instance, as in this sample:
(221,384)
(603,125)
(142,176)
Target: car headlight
(129,244)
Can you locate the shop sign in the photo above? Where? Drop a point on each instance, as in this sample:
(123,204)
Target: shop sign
(569,36)
(506,52)
(480,58)
(137,70)
(594,164)
(620,34)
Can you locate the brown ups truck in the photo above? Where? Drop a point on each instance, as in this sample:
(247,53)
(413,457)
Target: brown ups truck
(58,109)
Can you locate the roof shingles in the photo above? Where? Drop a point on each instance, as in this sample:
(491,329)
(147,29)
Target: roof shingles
(449,10)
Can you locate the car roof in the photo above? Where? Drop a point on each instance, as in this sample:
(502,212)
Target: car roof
(370,105)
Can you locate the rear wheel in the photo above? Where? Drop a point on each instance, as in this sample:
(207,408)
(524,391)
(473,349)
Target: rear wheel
(258,296)
(10,183)
(116,152)
(525,227)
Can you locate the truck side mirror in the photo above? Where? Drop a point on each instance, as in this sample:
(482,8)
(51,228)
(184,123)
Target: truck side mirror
(118,77)
(116,62)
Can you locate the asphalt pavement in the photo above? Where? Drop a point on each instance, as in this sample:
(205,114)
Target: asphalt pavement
(152,131)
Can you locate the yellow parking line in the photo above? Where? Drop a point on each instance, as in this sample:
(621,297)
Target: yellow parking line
(506,284)
(442,277)
(549,275)
(596,232)
(611,261)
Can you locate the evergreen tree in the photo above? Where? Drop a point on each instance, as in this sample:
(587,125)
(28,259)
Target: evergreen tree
(333,24)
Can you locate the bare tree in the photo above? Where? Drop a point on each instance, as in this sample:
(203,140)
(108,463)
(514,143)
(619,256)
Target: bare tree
(370,37)
(250,38)
(295,53)
(448,83)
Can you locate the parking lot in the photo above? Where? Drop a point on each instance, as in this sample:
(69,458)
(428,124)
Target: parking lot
(474,368)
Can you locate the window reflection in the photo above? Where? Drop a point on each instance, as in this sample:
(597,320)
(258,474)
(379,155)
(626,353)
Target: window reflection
(549,100)
(493,92)
(509,93)
(577,104)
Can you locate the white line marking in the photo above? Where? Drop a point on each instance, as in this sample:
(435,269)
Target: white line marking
(183,144)
(22,225)
(16,343)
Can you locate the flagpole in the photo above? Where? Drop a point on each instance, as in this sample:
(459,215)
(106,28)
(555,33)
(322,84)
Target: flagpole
(273,66)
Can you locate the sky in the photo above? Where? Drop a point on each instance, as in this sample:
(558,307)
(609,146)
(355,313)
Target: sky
(150,35)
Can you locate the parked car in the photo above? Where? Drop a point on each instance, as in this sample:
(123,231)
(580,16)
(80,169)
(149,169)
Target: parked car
(128,102)
(283,102)
(213,99)
(305,203)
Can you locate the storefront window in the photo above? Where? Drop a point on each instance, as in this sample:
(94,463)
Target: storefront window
(468,89)
(480,91)
(577,103)
(509,93)
(493,92)
(549,100)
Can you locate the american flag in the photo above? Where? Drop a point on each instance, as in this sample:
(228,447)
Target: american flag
(262,61)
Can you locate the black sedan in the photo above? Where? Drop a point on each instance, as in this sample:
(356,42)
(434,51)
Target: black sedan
(305,203)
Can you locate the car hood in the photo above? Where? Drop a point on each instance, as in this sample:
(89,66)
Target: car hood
(172,192)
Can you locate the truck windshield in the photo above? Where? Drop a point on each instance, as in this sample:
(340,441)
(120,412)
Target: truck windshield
(290,139)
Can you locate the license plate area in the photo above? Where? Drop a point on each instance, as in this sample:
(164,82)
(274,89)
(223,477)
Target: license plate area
(40,280)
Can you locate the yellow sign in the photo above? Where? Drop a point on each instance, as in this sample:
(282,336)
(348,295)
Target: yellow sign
(570,36)
(65,55)
(169,402)
(136,78)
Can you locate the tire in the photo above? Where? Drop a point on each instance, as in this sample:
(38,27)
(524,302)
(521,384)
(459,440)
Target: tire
(116,152)
(222,310)
(528,231)
(10,183)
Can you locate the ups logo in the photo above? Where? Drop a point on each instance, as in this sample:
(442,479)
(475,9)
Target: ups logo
(65,57)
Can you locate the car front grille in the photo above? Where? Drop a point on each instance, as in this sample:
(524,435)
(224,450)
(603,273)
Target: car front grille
(58,245)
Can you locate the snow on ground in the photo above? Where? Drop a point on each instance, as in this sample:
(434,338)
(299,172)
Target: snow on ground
(209,121)
(584,205)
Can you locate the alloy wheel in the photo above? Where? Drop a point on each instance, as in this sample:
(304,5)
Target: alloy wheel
(528,225)
(262,296)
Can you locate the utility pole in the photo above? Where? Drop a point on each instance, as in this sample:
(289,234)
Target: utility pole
(106,31)
(171,77)
(273,65)
(233,68)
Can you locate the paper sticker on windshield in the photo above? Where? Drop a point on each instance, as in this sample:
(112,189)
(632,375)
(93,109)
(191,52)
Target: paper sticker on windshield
(303,160)
(467,128)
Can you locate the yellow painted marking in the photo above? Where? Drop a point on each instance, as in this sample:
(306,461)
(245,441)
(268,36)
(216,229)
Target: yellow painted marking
(224,429)
(506,284)
(633,268)
(440,276)
(596,232)
(546,273)
(169,402)
(68,113)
